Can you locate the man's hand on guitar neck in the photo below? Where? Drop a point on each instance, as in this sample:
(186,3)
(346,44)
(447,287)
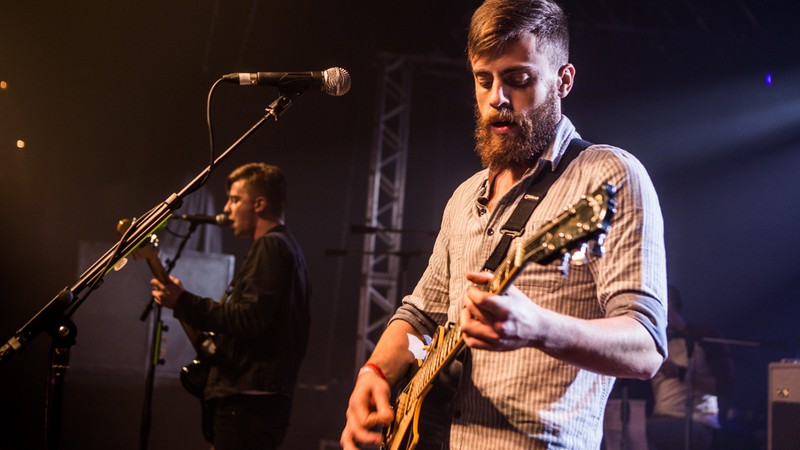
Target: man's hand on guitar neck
(166,294)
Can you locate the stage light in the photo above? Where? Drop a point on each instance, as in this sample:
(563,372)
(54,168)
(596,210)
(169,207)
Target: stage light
(20,144)
(3,85)
(768,79)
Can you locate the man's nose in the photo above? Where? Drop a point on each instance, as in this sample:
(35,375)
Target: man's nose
(498,98)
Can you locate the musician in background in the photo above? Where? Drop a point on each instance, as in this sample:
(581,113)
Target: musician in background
(709,376)
(262,327)
(542,359)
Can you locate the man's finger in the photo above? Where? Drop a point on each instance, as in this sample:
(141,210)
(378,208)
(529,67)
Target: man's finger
(494,305)
(479,277)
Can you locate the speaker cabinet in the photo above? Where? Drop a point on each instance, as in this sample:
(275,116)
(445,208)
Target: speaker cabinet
(783,409)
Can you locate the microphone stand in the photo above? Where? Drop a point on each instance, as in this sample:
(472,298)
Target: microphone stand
(405,256)
(405,259)
(688,414)
(624,412)
(155,347)
(53,318)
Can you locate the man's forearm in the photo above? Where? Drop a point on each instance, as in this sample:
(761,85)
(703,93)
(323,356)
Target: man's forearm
(392,353)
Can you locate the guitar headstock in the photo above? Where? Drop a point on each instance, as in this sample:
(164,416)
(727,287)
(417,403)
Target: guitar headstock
(584,223)
(580,226)
(147,250)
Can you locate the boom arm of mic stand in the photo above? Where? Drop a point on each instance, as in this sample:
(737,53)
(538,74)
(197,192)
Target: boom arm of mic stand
(140,230)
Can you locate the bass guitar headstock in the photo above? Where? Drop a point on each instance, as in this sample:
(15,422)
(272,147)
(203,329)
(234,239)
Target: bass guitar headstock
(147,250)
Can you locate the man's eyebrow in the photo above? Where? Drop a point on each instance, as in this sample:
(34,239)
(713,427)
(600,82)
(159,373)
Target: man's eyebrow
(507,70)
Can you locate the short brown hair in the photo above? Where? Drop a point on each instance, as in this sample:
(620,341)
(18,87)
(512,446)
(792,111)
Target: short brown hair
(497,22)
(262,180)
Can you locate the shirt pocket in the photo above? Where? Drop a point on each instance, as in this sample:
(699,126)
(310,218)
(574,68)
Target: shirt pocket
(540,278)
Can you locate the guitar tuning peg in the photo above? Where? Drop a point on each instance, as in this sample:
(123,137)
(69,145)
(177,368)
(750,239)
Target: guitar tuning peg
(565,260)
(579,255)
(598,249)
(519,254)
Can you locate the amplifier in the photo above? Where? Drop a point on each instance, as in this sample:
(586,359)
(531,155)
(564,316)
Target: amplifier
(783,408)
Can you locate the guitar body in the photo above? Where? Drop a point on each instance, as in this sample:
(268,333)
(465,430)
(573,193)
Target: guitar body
(423,409)
(194,377)
(429,425)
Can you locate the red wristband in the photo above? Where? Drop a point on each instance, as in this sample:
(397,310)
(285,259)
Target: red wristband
(372,368)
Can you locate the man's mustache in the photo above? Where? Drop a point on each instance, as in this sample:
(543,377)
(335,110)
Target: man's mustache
(503,115)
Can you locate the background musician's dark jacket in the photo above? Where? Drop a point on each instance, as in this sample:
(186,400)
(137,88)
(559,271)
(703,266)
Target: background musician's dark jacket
(262,329)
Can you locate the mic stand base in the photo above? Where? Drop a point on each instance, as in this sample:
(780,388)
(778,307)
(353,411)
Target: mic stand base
(63,331)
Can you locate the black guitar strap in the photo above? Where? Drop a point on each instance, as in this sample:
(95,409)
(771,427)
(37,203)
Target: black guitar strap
(533,195)
(449,378)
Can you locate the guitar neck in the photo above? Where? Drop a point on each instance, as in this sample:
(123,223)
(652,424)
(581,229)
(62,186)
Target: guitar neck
(149,253)
(159,272)
(452,341)
(195,336)
(448,346)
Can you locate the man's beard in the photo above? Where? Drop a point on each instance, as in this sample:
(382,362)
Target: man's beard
(525,144)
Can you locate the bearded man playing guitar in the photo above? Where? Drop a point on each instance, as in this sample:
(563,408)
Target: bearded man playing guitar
(541,358)
(261,329)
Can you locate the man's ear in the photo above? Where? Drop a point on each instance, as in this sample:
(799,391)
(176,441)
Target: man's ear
(260,204)
(566,78)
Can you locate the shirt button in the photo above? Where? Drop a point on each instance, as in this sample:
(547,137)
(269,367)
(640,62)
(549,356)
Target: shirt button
(490,231)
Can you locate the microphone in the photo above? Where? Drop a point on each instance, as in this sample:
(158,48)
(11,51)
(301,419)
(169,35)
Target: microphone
(334,81)
(220,219)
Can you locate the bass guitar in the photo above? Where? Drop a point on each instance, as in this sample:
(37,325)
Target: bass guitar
(573,230)
(194,375)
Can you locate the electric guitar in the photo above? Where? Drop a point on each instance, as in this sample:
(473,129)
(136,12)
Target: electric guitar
(588,220)
(194,375)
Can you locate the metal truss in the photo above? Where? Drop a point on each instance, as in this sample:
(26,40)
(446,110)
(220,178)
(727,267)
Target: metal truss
(380,266)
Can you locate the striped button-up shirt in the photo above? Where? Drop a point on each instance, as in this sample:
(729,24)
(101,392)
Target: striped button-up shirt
(525,398)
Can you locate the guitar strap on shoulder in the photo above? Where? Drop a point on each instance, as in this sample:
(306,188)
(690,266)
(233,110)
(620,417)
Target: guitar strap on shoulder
(530,200)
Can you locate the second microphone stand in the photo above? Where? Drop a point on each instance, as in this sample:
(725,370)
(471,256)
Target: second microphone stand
(157,330)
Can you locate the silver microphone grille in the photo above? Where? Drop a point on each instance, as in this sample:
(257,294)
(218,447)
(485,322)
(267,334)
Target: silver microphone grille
(337,81)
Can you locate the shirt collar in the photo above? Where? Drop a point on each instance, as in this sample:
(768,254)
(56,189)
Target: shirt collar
(565,132)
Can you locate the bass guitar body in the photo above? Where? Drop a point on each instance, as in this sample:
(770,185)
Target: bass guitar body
(194,377)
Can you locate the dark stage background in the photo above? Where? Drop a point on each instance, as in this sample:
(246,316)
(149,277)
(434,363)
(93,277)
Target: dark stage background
(110,101)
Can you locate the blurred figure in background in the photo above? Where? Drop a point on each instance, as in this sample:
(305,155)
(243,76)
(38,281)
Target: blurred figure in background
(697,368)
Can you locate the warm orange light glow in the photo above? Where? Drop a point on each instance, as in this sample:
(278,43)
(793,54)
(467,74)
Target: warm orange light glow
(20,143)
(3,85)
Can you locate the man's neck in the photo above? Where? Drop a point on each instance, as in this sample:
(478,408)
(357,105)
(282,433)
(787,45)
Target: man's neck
(264,225)
(501,181)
